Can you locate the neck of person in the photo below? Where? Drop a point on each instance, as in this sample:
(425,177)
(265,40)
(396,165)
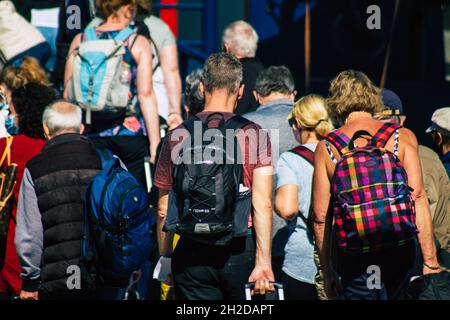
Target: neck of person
(61,132)
(116,22)
(240,57)
(310,138)
(275,96)
(357,116)
(220,101)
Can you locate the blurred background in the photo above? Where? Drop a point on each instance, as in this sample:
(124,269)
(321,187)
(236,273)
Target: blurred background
(419,65)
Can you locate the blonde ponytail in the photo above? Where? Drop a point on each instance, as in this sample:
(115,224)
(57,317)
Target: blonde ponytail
(34,72)
(310,114)
(29,71)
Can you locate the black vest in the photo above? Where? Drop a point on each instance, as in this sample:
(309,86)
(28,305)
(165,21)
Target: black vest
(61,174)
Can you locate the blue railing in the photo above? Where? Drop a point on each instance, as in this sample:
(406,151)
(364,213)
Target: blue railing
(209,26)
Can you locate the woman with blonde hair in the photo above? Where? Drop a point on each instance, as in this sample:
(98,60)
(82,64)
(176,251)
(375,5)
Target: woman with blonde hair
(383,228)
(310,123)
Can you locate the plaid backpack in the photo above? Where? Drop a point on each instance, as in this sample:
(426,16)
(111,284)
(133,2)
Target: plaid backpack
(372,202)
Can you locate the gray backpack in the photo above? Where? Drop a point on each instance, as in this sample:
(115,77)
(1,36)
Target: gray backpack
(101,78)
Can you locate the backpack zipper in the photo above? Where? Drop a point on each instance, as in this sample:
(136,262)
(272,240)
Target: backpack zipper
(105,188)
(121,201)
(353,204)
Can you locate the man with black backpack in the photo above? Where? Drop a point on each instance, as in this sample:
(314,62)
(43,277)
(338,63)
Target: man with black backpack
(215,179)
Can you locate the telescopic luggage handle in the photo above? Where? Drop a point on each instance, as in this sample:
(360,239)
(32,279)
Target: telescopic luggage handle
(278,287)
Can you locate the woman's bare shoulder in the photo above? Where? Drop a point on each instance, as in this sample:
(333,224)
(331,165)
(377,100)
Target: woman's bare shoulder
(408,137)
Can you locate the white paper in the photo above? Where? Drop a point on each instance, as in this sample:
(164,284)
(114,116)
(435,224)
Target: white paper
(48,18)
(163,269)
(243,188)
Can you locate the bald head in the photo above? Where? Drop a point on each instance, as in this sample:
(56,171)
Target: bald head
(62,117)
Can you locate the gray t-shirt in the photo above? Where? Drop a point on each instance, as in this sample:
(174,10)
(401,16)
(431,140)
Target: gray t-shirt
(299,251)
(273,117)
(162,37)
(160,32)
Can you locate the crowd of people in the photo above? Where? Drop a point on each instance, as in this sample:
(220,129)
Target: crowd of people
(249,182)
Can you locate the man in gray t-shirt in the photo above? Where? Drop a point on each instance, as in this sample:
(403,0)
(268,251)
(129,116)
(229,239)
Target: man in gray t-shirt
(275,91)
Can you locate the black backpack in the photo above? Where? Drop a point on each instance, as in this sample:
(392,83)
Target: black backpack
(435,286)
(208,202)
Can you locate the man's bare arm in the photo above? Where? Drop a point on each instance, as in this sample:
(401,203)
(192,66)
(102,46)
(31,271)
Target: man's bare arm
(165,239)
(262,222)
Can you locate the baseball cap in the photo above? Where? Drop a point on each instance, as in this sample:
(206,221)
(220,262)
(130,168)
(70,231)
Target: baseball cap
(440,121)
(392,103)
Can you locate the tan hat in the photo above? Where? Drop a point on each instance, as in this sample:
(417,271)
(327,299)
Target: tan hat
(440,121)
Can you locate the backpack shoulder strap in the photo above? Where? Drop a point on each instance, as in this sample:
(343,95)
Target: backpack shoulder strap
(90,34)
(237,122)
(105,155)
(385,133)
(339,140)
(124,34)
(305,153)
(189,124)
(7,153)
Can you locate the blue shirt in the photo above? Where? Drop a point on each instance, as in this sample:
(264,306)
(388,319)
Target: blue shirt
(299,251)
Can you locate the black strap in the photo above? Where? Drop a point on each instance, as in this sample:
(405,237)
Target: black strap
(189,124)
(359,134)
(3,58)
(130,47)
(156,52)
(237,122)
(309,223)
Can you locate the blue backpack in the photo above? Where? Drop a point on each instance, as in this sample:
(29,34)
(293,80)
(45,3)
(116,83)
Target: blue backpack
(118,222)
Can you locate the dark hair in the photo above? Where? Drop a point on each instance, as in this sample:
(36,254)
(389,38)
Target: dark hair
(193,98)
(222,71)
(144,7)
(30,101)
(445,139)
(108,7)
(275,79)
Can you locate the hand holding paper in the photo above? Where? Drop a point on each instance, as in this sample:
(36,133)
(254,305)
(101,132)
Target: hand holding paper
(163,269)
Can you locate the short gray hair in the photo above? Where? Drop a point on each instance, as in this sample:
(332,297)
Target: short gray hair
(222,71)
(62,116)
(241,39)
(275,79)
